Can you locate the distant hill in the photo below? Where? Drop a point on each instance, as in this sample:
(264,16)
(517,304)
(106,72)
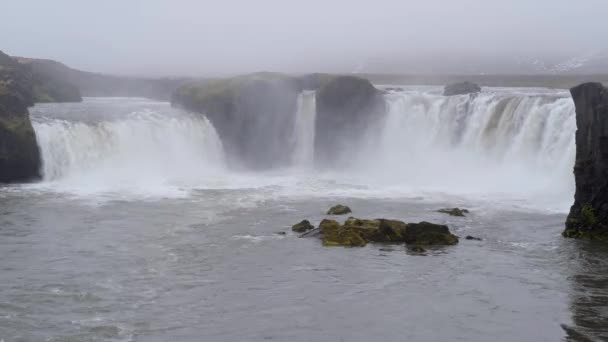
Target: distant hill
(95,84)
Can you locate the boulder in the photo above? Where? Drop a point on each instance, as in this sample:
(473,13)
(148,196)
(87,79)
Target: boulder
(425,233)
(461,88)
(334,234)
(454,211)
(339,209)
(347,108)
(302,226)
(588,217)
(19,154)
(358,232)
(254,116)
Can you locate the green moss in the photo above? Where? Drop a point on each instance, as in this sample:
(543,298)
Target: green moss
(302,227)
(588,218)
(336,235)
(339,210)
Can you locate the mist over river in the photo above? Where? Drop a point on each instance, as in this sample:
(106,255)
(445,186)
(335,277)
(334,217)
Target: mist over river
(140,230)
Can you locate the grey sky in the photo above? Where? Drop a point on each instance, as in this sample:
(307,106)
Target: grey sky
(182,37)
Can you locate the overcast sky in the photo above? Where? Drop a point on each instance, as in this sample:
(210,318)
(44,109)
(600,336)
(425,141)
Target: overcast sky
(188,37)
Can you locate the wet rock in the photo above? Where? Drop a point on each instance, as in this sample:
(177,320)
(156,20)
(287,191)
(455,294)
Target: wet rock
(19,154)
(425,233)
(253,114)
(347,108)
(334,234)
(469,237)
(461,88)
(454,211)
(359,232)
(588,217)
(339,209)
(311,233)
(302,227)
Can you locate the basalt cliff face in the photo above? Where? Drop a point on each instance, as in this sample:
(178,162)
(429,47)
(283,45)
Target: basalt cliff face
(19,154)
(255,114)
(588,216)
(347,108)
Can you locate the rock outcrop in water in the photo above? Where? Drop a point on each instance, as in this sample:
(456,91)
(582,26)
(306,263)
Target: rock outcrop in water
(588,216)
(254,115)
(346,107)
(454,211)
(19,154)
(339,209)
(461,88)
(358,232)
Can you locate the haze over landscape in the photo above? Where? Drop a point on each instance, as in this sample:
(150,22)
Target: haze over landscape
(202,38)
(303,171)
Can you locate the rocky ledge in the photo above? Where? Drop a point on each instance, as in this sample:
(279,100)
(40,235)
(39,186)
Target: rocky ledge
(19,154)
(254,115)
(588,216)
(461,88)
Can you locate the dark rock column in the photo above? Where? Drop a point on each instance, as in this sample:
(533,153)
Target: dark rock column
(347,108)
(588,216)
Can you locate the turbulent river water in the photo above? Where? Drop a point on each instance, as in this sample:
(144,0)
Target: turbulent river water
(140,231)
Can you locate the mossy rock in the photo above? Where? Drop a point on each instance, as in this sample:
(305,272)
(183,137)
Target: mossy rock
(302,227)
(339,210)
(425,233)
(585,224)
(454,211)
(378,230)
(334,234)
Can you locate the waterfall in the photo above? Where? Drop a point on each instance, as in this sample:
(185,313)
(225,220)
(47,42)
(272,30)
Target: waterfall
(147,147)
(518,143)
(304,130)
(496,141)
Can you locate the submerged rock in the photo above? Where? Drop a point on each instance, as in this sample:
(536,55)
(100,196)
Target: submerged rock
(417,249)
(339,209)
(358,232)
(454,211)
(588,216)
(461,88)
(302,227)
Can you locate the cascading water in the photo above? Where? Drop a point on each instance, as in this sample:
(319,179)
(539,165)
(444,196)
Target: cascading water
(304,130)
(519,144)
(142,149)
(493,142)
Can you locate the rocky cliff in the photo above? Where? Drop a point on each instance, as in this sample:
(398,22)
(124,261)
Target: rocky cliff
(254,114)
(19,154)
(347,107)
(588,216)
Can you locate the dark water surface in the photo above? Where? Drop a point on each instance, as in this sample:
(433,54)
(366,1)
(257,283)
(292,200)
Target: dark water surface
(205,269)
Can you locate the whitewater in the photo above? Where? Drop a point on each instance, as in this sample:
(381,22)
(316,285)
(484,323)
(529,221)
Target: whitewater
(514,145)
